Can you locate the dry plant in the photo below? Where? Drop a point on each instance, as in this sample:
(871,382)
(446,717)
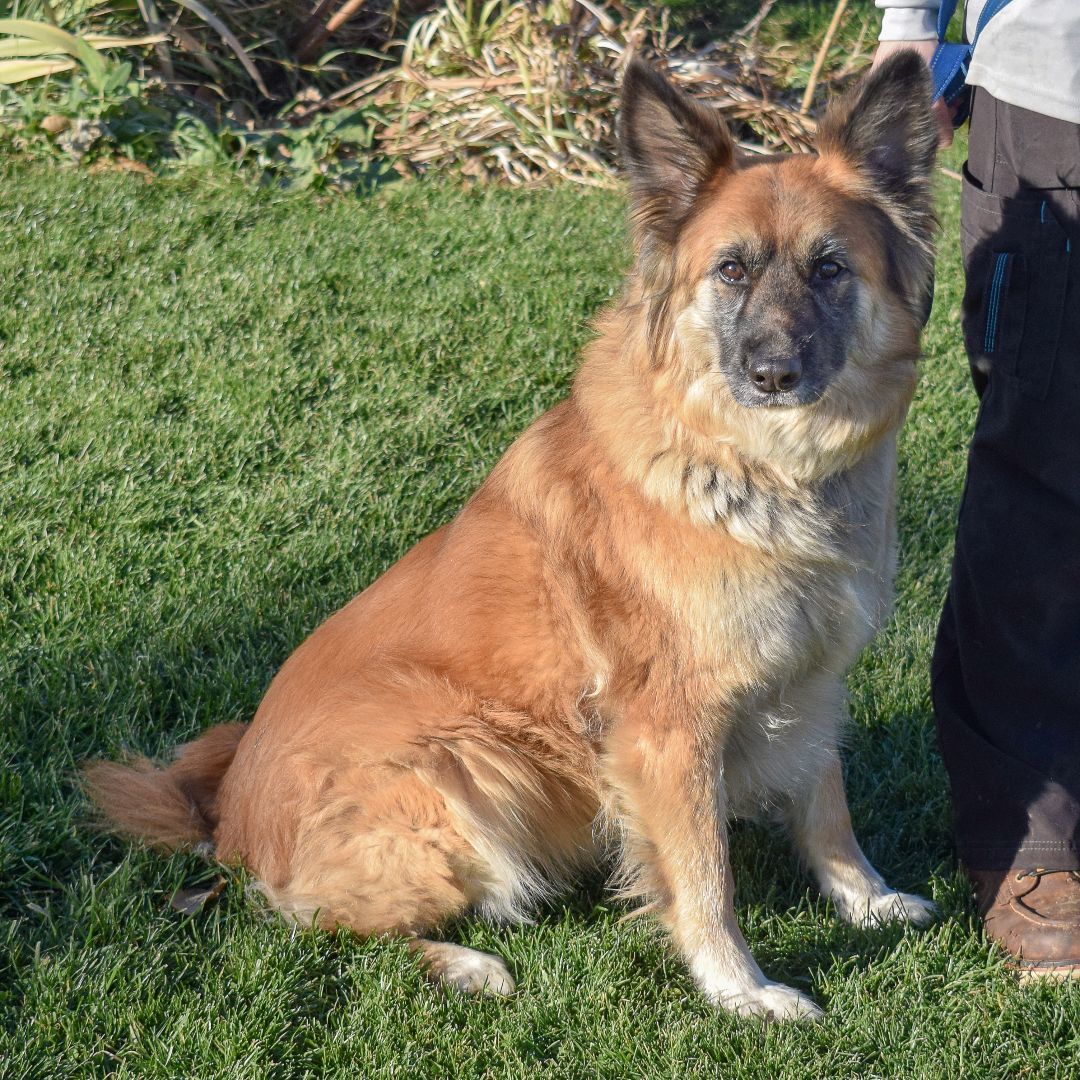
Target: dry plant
(519,91)
(525,92)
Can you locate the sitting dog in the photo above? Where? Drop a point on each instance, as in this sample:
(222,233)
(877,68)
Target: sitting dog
(643,617)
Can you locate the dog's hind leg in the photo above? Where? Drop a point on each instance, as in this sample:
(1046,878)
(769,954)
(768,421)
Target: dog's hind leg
(409,808)
(821,829)
(467,970)
(383,856)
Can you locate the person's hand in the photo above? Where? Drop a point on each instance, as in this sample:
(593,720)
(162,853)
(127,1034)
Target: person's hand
(925,49)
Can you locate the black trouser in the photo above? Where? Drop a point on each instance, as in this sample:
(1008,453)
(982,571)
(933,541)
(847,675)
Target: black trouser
(1006,670)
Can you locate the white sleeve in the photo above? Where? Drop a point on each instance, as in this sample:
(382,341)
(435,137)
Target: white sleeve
(908,20)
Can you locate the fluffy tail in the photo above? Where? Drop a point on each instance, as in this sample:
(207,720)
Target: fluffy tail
(168,808)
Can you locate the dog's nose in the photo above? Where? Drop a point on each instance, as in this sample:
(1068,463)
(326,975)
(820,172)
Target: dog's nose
(775,374)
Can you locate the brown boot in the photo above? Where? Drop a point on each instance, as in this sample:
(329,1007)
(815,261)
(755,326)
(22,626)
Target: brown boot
(1034,915)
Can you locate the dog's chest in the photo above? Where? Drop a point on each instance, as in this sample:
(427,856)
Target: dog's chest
(767,627)
(813,592)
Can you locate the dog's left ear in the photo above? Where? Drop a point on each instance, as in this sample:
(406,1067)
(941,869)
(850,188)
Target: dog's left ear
(669,146)
(885,128)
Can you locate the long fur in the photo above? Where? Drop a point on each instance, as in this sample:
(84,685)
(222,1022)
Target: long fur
(639,624)
(170,807)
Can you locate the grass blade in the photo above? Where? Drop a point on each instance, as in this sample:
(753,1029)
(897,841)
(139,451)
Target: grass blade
(59,41)
(13,72)
(230,39)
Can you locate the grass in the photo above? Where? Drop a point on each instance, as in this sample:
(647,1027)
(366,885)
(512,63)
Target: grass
(223,413)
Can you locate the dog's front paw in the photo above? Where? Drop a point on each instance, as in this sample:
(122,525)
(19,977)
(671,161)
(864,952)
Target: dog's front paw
(773,1001)
(886,907)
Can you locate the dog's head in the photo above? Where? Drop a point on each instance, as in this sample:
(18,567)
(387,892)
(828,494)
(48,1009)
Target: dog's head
(785,294)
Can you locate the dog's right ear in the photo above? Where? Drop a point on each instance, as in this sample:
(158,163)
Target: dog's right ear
(669,146)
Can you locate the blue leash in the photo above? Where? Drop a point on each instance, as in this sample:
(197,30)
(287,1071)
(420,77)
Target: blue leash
(949,67)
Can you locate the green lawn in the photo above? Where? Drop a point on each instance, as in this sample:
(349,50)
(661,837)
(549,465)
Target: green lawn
(224,412)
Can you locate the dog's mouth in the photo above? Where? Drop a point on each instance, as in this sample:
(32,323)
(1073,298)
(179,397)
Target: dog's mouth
(752,396)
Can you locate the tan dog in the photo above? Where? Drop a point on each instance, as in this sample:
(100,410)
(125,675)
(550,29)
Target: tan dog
(644,615)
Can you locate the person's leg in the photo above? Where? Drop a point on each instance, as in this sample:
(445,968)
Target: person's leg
(1006,670)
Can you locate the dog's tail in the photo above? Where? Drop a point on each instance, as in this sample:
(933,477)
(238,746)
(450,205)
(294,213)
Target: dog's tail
(171,807)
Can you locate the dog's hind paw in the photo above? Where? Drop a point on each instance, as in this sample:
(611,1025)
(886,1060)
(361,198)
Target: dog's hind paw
(466,970)
(773,1001)
(887,907)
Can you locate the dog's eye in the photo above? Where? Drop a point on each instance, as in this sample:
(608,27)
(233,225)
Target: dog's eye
(828,269)
(732,272)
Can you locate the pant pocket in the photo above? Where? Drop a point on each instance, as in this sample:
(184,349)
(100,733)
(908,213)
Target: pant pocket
(1016,258)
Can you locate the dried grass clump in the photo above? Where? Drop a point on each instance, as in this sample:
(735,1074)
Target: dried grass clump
(518,91)
(525,92)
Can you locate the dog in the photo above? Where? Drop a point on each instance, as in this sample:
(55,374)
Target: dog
(638,626)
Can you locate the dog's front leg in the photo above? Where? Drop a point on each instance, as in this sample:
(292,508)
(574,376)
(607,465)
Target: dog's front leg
(821,829)
(667,784)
